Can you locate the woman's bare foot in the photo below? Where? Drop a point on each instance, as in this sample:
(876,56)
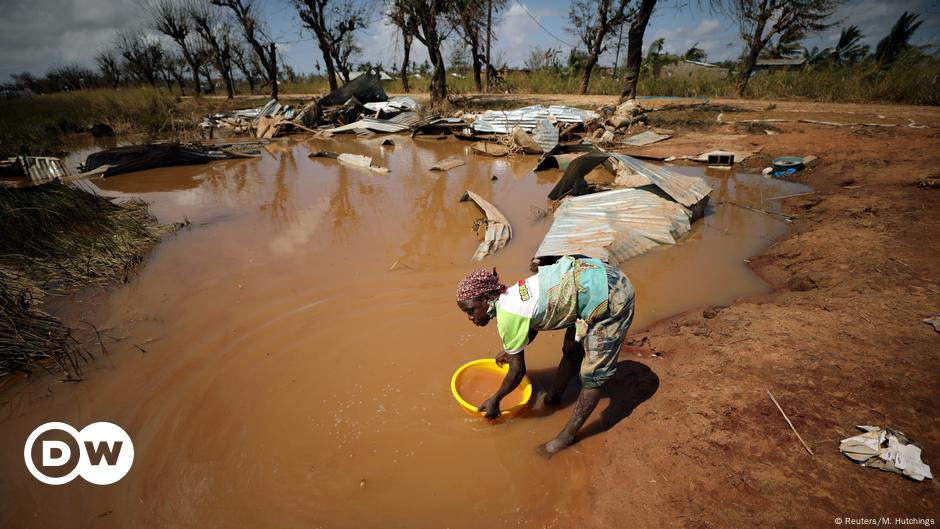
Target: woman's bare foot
(554,446)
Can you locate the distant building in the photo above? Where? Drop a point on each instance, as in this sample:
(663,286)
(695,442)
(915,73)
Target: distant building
(780,64)
(687,69)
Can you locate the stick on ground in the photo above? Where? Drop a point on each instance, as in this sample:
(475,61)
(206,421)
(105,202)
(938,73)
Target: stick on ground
(790,423)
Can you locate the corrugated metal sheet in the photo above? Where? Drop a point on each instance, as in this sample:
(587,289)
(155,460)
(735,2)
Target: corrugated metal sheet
(375,125)
(546,135)
(410,119)
(498,230)
(614,225)
(686,190)
(42,169)
(269,109)
(502,121)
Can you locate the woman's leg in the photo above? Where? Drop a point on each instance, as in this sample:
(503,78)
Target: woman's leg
(587,401)
(601,349)
(568,367)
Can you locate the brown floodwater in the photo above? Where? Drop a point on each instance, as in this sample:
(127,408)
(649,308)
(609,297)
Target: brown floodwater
(285,360)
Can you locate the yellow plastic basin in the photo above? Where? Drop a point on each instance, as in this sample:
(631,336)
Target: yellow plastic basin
(488,364)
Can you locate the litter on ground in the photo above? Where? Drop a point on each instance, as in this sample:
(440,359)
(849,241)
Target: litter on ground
(888,450)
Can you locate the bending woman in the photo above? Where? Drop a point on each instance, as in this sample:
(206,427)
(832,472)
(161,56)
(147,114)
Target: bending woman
(592,300)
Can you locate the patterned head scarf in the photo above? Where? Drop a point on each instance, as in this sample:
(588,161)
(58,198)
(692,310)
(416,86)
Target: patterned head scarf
(480,284)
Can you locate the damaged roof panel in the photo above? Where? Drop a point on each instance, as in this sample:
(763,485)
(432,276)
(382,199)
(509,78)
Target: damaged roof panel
(686,190)
(498,231)
(614,225)
(41,169)
(527,118)
(375,125)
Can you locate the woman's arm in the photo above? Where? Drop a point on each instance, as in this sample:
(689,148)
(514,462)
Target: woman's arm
(510,382)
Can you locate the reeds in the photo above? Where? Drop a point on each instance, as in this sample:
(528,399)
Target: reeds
(57,238)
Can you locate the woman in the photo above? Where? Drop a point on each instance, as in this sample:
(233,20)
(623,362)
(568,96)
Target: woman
(592,300)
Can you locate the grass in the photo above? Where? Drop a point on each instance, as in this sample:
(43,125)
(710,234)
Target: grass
(911,80)
(36,126)
(57,238)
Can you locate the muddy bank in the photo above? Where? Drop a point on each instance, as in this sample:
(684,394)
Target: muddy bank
(839,342)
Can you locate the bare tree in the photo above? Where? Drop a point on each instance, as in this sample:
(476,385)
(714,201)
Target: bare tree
(469,18)
(398,15)
(248,64)
(426,19)
(638,25)
(265,50)
(333,23)
(593,22)
(171,17)
(175,66)
(760,20)
(143,56)
(217,36)
(203,56)
(112,71)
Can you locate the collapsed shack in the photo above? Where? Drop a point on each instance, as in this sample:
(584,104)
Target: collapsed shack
(614,207)
(58,238)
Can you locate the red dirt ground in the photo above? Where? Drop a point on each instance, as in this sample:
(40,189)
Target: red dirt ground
(839,342)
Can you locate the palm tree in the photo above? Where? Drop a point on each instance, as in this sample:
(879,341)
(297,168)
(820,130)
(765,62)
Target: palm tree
(848,50)
(694,53)
(816,55)
(787,46)
(896,41)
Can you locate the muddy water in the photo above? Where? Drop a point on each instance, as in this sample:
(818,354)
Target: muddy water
(285,361)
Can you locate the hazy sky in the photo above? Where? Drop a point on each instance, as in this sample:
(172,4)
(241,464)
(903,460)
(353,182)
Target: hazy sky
(36,35)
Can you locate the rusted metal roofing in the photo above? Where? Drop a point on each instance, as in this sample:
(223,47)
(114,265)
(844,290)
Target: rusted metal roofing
(527,118)
(614,225)
(498,230)
(686,190)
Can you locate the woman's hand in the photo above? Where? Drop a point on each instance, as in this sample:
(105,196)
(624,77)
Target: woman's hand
(502,357)
(490,408)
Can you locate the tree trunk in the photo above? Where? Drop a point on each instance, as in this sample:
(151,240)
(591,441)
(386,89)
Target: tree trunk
(746,69)
(404,63)
(328,63)
(272,70)
(229,84)
(477,68)
(635,49)
(754,47)
(438,87)
(588,68)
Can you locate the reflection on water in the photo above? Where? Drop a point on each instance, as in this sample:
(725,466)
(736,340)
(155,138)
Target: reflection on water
(275,369)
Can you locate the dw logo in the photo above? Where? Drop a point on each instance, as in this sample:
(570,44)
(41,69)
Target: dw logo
(101,453)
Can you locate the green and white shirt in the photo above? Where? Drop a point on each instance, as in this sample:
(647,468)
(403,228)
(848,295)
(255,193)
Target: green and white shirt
(555,298)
